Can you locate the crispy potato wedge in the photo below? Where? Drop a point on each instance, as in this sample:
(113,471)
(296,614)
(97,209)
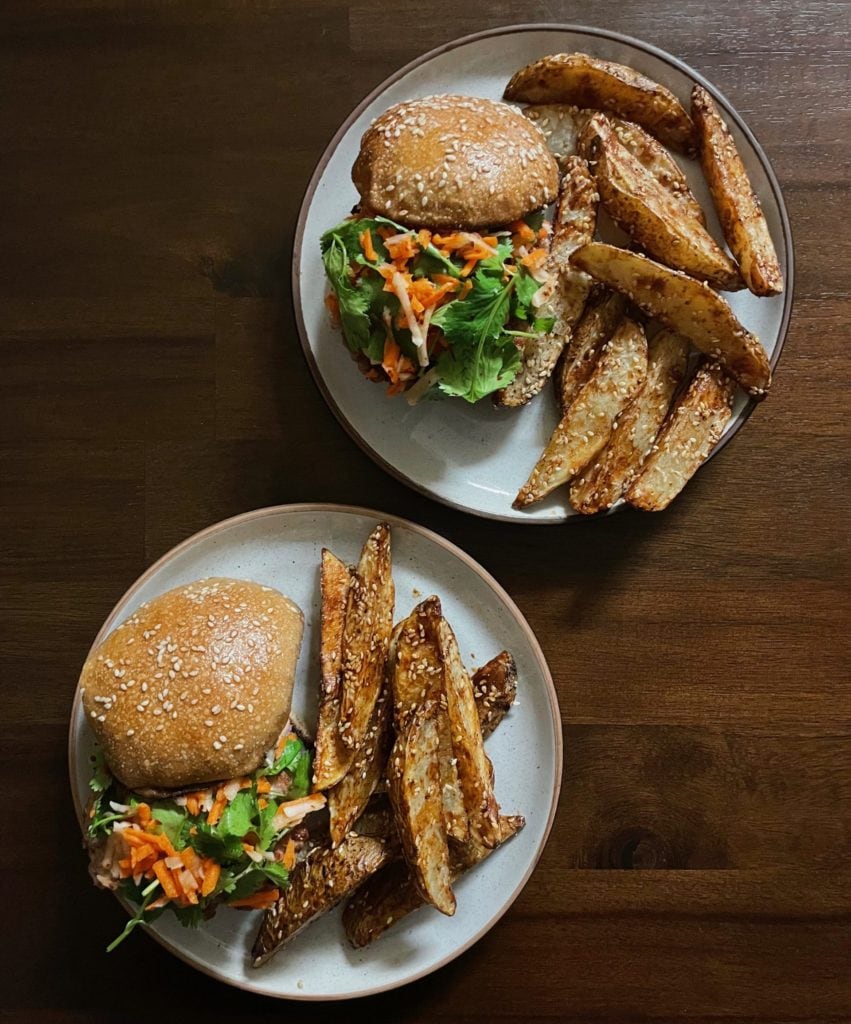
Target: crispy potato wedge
(650,213)
(603,482)
(348,798)
(320,882)
(390,895)
(654,158)
(739,211)
(688,435)
(603,312)
(688,307)
(475,771)
(562,126)
(585,427)
(495,690)
(585,81)
(414,788)
(417,675)
(331,758)
(366,636)
(563,297)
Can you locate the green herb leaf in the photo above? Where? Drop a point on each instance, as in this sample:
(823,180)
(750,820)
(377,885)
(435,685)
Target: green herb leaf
(101,778)
(238,817)
(173,820)
(524,291)
(543,324)
(480,358)
(353,301)
(473,375)
(276,873)
(285,761)
(209,843)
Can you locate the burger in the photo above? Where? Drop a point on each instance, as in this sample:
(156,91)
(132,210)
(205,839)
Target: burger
(200,784)
(435,277)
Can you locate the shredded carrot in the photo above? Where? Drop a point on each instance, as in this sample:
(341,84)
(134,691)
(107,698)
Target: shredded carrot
(521,233)
(390,359)
(219,805)
(262,803)
(424,237)
(261,900)
(159,840)
(166,879)
(263,785)
(534,259)
(466,288)
(191,860)
(332,304)
(289,855)
(161,902)
(469,266)
(139,854)
(397,388)
(143,814)
(365,239)
(279,746)
(212,870)
(385,233)
(405,249)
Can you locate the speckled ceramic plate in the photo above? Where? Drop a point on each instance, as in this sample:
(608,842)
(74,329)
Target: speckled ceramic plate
(475,458)
(281,547)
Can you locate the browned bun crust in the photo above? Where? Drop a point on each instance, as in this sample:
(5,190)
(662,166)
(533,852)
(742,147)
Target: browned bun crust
(454,161)
(196,685)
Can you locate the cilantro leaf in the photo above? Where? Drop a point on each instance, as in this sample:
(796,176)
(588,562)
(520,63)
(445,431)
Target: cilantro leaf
(293,749)
(353,301)
(524,291)
(276,873)
(481,358)
(172,820)
(475,374)
(101,778)
(209,843)
(247,883)
(238,817)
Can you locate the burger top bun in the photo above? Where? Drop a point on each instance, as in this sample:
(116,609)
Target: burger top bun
(454,161)
(196,685)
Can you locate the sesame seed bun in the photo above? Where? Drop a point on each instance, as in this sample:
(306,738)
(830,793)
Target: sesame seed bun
(454,162)
(196,685)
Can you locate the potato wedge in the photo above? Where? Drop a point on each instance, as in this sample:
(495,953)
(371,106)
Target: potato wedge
(654,158)
(495,690)
(560,124)
(603,482)
(688,435)
(563,297)
(319,883)
(688,307)
(390,895)
(348,797)
(475,771)
(585,427)
(603,312)
(650,213)
(739,211)
(417,675)
(366,636)
(331,758)
(413,780)
(585,81)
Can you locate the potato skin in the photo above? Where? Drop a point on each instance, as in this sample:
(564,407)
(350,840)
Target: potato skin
(738,208)
(585,81)
(685,305)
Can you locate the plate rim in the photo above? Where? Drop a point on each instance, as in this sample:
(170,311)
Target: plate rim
(310,191)
(496,587)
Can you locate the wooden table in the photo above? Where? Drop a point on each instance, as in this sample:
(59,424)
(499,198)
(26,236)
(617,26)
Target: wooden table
(151,382)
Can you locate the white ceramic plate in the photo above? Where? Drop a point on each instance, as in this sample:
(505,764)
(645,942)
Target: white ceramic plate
(281,547)
(475,458)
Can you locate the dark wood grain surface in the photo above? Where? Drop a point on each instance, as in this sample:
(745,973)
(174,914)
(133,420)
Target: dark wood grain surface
(153,159)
